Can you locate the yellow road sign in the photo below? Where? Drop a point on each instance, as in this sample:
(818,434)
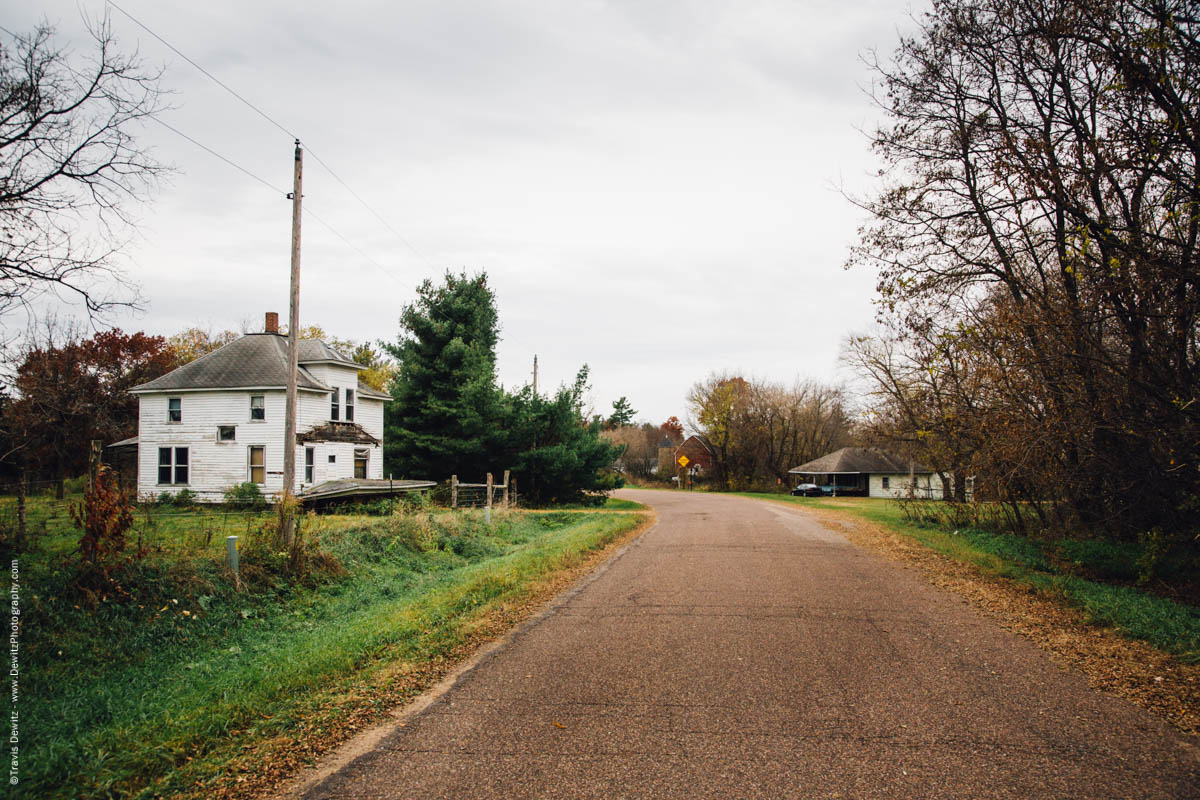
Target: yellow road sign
(682,460)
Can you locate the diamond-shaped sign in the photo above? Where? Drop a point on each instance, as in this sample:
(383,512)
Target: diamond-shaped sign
(682,460)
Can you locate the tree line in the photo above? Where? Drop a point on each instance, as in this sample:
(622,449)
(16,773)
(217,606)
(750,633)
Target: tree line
(1035,239)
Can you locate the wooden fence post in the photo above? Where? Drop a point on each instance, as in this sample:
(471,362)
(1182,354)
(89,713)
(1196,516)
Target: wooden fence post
(504,490)
(489,491)
(94,456)
(454,491)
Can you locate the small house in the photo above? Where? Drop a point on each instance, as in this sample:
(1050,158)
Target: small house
(218,421)
(864,471)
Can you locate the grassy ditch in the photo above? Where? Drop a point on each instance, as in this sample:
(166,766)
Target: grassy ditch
(1099,578)
(168,689)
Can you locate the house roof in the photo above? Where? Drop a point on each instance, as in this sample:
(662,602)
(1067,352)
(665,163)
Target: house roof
(257,360)
(854,460)
(370,391)
(314,351)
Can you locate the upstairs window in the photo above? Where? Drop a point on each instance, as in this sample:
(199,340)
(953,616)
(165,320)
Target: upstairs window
(172,465)
(258,406)
(334,408)
(349,405)
(310,463)
(175,409)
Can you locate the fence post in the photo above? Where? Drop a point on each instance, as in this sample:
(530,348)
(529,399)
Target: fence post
(504,490)
(94,456)
(454,491)
(231,558)
(513,495)
(487,512)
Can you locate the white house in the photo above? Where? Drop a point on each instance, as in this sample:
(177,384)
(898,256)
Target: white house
(874,473)
(219,420)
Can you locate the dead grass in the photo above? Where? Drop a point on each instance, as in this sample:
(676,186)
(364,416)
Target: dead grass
(1112,663)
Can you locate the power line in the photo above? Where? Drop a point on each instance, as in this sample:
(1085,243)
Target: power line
(365,205)
(214,78)
(309,212)
(212,152)
(281,127)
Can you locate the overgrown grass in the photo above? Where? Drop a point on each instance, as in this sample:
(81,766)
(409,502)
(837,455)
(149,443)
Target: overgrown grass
(1095,576)
(154,694)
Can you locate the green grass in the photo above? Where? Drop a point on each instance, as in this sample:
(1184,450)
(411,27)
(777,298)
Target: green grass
(137,697)
(1094,576)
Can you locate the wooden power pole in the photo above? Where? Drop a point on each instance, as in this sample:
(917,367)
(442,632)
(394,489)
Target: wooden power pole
(535,374)
(289,425)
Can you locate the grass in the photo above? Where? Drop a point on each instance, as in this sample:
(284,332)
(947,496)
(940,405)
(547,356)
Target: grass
(161,692)
(1094,576)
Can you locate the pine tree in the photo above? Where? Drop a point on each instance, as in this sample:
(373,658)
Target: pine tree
(445,399)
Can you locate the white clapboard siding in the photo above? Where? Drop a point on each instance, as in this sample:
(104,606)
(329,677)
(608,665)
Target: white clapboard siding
(215,466)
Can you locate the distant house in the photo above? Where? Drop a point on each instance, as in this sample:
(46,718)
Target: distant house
(219,420)
(698,454)
(866,471)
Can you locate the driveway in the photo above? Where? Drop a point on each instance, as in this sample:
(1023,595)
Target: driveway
(741,649)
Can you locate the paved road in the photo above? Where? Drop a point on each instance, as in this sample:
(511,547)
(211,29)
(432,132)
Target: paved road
(740,649)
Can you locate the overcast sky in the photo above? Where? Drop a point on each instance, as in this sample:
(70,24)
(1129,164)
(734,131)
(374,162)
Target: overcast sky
(652,187)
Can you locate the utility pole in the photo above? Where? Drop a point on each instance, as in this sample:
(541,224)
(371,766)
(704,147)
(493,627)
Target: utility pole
(289,424)
(535,374)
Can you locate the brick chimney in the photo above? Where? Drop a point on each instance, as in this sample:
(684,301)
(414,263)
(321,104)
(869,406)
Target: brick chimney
(272,322)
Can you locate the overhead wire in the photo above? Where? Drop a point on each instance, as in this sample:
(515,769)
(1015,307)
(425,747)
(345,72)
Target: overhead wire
(307,211)
(287,131)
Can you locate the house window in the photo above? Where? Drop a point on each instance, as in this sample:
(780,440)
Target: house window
(172,465)
(332,458)
(175,409)
(333,404)
(360,463)
(258,406)
(257,468)
(310,463)
(349,405)
(226,433)
(885,482)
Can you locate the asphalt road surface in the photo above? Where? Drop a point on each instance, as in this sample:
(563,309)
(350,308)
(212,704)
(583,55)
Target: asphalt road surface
(740,649)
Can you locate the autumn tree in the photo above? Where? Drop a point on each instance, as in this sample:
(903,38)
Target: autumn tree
(1042,210)
(192,343)
(71,168)
(758,430)
(70,390)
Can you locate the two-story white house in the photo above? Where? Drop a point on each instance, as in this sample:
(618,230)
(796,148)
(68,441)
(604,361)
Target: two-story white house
(219,420)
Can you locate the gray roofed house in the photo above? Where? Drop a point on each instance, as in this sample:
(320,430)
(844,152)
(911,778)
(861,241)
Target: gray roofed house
(218,421)
(870,472)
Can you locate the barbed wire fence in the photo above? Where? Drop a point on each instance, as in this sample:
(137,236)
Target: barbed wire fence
(155,524)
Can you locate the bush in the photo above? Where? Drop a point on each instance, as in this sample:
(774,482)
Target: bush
(246,495)
(186,498)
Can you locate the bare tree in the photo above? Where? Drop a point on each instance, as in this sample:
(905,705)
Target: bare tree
(71,169)
(1041,217)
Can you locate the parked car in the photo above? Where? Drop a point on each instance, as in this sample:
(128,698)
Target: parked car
(808,490)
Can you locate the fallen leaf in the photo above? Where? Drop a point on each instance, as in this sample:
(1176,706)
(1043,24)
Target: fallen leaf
(558,724)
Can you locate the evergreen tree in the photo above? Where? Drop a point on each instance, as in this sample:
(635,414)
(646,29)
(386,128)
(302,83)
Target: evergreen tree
(623,414)
(558,455)
(445,400)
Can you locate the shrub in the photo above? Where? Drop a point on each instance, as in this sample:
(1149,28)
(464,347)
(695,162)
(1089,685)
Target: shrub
(246,495)
(186,498)
(104,517)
